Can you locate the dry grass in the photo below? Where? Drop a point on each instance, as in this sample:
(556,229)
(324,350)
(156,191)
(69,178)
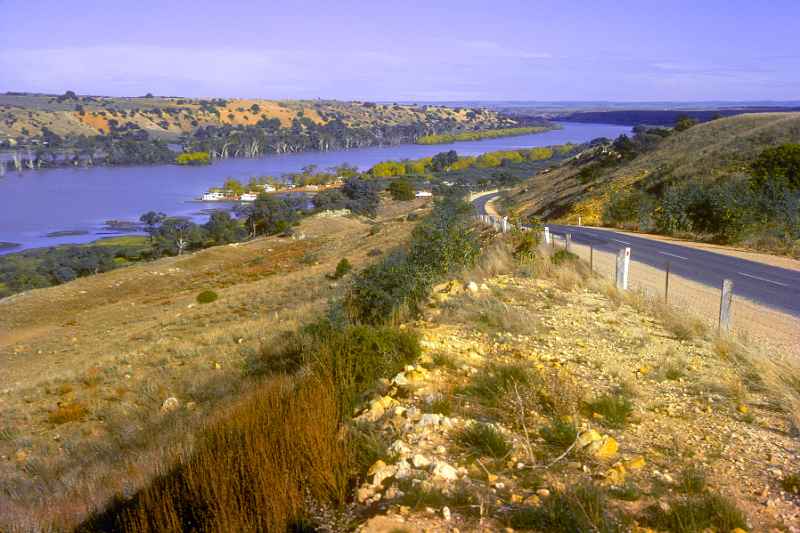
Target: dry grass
(759,369)
(253,467)
(68,412)
(135,337)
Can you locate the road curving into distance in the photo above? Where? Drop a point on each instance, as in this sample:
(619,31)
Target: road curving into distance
(772,286)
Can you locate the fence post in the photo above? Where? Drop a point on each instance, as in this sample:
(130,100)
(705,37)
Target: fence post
(623,265)
(546,235)
(568,242)
(725,305)
(579,221)
(591,258)
(666,285)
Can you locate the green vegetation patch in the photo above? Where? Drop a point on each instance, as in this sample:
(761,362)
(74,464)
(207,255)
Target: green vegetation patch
(614,409)
(698,513)
(583,507)
(484,440)
(482,134)
(206,297)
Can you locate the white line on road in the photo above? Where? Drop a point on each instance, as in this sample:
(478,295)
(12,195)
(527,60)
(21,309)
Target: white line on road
(764,279)
(621,242)
(675,255)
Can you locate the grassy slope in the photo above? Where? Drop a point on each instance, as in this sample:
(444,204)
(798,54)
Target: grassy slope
(35,112)
(707,151)
(88,364)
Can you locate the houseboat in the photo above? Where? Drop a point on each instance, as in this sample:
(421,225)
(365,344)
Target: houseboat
(213,196)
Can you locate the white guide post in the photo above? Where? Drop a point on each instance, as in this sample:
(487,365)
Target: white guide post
(726,305)
(623,266)
(547,235)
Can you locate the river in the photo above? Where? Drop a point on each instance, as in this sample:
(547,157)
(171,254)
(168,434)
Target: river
(80,200)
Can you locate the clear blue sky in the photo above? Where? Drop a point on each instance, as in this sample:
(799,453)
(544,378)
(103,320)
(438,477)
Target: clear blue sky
(614,50)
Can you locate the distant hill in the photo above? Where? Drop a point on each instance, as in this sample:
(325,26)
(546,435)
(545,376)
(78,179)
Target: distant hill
(666,117)
(25,116)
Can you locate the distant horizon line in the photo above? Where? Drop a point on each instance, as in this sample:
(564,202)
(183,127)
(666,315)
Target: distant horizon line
(768,102)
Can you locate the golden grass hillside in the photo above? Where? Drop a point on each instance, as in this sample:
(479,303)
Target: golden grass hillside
(706,151)
(168,118)
(109,376)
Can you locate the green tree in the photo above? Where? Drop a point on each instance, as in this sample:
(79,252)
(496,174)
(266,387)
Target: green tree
(221,228)
(684,122)
(779,165)
(442,161)
(401,190)
(233,185)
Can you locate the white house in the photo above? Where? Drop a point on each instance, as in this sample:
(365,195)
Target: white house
(312,187)
(213,196)
(268,188)
(423,194)
(248,197)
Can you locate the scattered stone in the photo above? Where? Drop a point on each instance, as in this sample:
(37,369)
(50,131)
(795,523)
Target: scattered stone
(420,461)
(472,287)
(444,471)
(446,513)
(170,404)
(604,448)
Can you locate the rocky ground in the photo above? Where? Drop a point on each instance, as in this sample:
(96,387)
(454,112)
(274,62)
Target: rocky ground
(536,401)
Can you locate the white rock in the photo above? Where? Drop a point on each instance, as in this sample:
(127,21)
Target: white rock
(446,513)
(420,461)
(429,419)
(400,448)
(472,287)
(383,473)
(445,471)
(170,404)
(404,470)
(400,379)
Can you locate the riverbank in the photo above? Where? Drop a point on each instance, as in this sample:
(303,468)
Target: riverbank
(484,134)
(32,204)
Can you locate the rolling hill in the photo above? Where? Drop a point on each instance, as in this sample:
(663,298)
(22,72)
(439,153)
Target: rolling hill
(707,152)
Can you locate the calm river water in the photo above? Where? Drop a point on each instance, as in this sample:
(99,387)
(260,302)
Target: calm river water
(35,203)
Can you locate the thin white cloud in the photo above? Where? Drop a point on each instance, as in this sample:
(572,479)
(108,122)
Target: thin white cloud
(493,49)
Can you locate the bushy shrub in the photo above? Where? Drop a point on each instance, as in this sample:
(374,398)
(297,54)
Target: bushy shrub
(193,158)
(395,287)
(722,210)
(628,208)
(362,196)
(354,356)
(206,297)
(779,165)
(342,268)
(401,190)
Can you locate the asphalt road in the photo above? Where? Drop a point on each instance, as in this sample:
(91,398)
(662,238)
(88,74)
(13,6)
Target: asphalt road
(772,286)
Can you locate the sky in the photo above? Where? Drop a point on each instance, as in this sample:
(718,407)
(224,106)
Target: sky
(434,50)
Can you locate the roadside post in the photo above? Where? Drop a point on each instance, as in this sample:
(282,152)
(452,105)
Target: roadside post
(568,242)
(591,258)
(579,221)
(666,284)
(725,306)
(546,235)
(623,266)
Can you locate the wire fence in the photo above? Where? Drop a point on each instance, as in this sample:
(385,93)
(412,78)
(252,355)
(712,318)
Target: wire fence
(734,314)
